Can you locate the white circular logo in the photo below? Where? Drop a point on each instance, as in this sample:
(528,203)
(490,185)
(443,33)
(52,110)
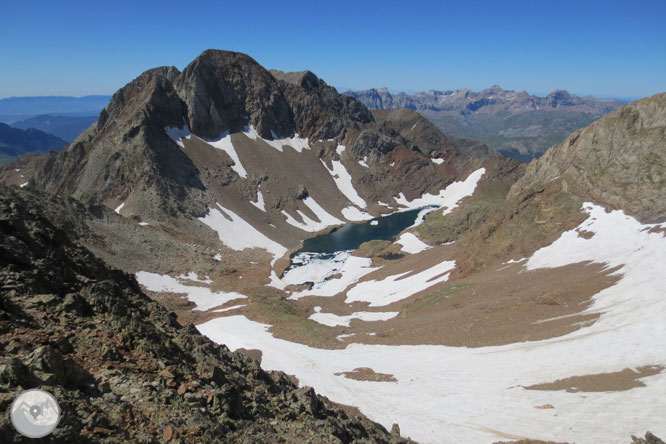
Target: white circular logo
(35,413)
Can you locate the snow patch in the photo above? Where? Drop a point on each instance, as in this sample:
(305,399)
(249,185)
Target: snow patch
(325,219)
(237,234)
(192,276)
(178,134)
(340,149)
(260,202)
(448,197)
(234,307)
(224,143)
(400,286)
(513,261)
(202,297)
(411,244)
(343,180)
(353,214)
(438,161)
(24,185)
(297,143)
(119,207)
(333,320)
(342,337)
(420,217)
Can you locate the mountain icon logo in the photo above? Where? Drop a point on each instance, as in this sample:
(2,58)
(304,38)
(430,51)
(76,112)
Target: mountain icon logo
(35,413)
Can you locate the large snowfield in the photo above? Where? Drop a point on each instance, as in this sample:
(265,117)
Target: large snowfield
(477,395)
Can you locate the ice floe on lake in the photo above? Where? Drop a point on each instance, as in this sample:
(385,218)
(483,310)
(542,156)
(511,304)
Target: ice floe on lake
(329,274)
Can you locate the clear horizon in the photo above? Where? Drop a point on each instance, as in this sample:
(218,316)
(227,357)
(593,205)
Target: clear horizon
(604,49)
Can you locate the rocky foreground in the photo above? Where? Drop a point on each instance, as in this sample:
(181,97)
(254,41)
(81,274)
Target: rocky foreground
(122,368)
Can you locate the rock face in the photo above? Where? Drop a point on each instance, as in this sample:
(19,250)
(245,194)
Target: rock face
(224,91)
(15,142)
(649,439)
(513,123)
(318,110)
(121,367)
(618,161)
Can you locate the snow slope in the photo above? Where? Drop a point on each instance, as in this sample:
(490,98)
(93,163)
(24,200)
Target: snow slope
(448,197)
(477,395)
(411,244)
(400,286)
(333,320)
(343,180)
(203,297)
(238,234)
(224,143)
(307,224)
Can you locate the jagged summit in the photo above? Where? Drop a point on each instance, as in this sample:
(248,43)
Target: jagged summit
(225,91)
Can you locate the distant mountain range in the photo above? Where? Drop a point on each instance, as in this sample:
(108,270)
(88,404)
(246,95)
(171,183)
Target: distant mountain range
(13,109)
(513,123)
(15,142)
(66,127)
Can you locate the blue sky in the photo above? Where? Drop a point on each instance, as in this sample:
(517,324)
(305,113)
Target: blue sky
(603,48)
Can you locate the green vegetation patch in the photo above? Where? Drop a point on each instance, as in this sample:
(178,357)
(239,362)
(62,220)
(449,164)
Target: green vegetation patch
(437,296)
(378,248)
(293,318)
(438,229)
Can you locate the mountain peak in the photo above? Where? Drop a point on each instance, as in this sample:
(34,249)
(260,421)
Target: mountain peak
(225,91)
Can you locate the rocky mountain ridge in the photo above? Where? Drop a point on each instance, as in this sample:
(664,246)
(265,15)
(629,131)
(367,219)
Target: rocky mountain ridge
(618,161)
